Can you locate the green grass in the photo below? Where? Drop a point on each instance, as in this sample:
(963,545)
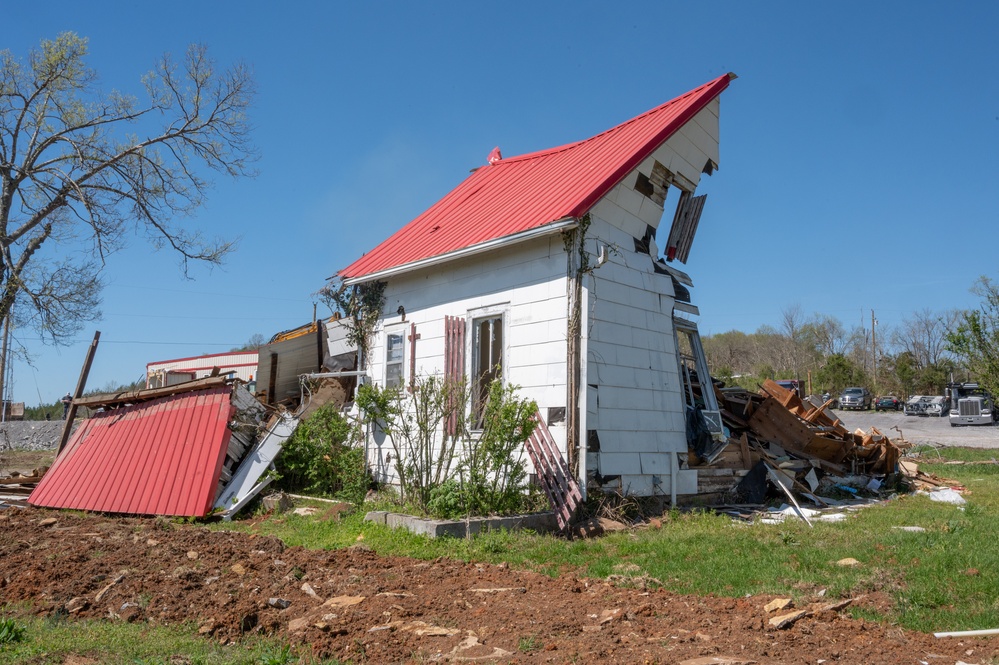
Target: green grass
(52,640)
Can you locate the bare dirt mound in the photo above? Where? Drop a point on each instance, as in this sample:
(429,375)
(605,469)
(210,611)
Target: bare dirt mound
(355,605)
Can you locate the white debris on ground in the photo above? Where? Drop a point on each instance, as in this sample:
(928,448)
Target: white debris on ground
(947,495)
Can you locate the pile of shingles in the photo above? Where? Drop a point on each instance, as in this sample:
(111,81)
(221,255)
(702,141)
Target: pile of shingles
(777,427)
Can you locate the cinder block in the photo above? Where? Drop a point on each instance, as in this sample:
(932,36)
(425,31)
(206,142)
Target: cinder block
(376,516)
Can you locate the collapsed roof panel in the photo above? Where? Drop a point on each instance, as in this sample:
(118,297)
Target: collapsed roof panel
(158,457)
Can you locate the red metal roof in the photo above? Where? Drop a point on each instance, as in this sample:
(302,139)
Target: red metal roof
(527,192)
(161,457)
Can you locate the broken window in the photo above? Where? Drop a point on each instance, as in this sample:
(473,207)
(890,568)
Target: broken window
(394,359)
(487,358)
(704,424)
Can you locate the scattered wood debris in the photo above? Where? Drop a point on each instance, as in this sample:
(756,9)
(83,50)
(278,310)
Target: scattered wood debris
(781,445)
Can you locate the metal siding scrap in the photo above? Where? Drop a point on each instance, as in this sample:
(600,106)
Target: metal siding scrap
(161,457)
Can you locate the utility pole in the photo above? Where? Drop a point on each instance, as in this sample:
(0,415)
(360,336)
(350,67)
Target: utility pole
(874,345)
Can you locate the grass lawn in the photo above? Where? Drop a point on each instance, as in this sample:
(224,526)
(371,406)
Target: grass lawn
(945,577)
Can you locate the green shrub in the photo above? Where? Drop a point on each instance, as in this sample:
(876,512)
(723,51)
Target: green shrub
(493,473)
(445,470)
(323,457)
(446,501)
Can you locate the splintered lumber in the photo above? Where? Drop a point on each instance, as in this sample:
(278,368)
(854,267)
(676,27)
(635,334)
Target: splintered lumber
(832,450)
(775,424)
(793,403)
(20,480)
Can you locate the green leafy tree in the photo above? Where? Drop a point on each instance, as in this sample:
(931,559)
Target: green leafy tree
(839,372)
(976,339)
(83,170)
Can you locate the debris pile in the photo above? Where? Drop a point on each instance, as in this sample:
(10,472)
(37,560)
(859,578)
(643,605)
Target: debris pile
(15,488)
(177,450)
(797,446)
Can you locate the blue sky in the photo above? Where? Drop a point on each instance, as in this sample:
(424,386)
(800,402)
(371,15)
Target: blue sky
(859,162)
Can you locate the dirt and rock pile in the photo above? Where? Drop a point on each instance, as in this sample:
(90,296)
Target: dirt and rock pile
(356,606)
(30,434)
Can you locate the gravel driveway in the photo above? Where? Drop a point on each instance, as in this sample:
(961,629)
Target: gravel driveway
(922,429)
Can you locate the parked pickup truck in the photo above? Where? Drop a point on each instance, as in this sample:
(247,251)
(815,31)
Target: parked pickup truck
(855,398)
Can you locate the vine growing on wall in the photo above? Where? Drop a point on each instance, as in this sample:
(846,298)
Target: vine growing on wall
(575,242)
(361,306)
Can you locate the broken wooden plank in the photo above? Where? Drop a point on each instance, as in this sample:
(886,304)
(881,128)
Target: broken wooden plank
(134,396)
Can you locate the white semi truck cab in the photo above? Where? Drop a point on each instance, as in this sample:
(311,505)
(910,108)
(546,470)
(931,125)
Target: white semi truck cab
(970,404)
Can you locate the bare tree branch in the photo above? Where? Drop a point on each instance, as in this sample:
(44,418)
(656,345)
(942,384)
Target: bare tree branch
(78,164)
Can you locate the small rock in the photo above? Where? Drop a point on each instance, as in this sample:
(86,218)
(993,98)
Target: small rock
(307,588)
(607,616)
(152,542)
(305,511)
(48,521)
(343,601)
(777,604)
(279,603)
(238,568)
(192,555)
(785,620)
(76,604)
(207,627)
(298,625)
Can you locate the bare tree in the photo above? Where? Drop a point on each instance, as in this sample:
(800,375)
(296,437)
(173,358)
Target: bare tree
(791,320)
(924,335)
(80,168)
(825,334)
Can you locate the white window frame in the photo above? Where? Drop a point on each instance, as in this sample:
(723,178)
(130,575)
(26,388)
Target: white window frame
(475,318)
(390,332)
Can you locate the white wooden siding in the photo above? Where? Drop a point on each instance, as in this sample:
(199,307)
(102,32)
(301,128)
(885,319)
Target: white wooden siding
(526,282)
(636,406)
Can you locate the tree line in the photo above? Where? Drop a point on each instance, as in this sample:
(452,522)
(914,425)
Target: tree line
(919,356)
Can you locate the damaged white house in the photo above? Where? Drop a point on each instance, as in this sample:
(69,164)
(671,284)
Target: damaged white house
(550,270)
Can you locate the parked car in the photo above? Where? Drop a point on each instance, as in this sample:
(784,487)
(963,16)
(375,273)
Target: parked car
(856,398)
(888,403)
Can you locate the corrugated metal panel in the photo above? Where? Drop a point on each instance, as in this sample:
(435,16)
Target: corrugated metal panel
(522,193)
(161,457)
